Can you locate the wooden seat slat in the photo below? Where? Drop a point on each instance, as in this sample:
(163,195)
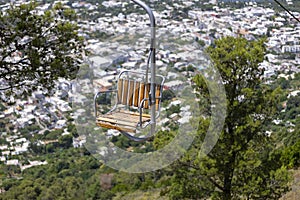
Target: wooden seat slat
(131,92)
(141,92)
(136,93)
(116,120)
(125,92)
(147,90)
(135,113)
(120,90)
(124,117)
(157,94)
(116,127)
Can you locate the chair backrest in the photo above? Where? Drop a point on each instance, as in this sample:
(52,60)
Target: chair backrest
(132,92)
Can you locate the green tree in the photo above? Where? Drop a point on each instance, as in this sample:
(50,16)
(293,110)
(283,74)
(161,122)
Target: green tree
(37,49)
(293,102)
(240,165)
(66,141)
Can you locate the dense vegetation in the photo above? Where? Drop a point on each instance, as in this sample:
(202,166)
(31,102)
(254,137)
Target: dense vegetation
(246,163)
(243,147)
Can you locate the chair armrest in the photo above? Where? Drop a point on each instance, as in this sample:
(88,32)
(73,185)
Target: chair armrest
(95,98)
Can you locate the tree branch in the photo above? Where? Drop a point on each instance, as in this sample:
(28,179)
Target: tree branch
(215,184)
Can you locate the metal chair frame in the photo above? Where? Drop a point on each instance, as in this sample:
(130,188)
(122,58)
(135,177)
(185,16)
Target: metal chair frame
(151,96)
(138,104)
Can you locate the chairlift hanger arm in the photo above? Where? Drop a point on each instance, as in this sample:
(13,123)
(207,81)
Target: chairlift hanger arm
(152,20)
(151,59)
(148,10)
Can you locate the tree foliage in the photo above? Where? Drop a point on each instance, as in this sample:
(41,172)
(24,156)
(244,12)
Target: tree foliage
(37,48)
(68,175)
(240,165)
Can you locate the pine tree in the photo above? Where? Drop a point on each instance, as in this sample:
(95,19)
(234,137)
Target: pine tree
(37,48)
(240,165)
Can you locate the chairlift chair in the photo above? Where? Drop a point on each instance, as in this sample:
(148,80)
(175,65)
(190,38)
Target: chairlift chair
(138,96)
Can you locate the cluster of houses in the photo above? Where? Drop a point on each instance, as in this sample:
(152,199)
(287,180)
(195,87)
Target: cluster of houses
(177,47)
(250,21)
(42,112)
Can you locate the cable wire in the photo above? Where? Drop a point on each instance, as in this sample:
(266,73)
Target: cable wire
(287,10)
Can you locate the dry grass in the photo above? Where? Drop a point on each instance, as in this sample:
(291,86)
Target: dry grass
(142,195)
(294,194)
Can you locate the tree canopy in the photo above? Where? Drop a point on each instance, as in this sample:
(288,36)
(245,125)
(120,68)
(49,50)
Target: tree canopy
(37,47)
(240,165)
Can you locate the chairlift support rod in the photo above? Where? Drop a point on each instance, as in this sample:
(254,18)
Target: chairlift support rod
(152,62)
